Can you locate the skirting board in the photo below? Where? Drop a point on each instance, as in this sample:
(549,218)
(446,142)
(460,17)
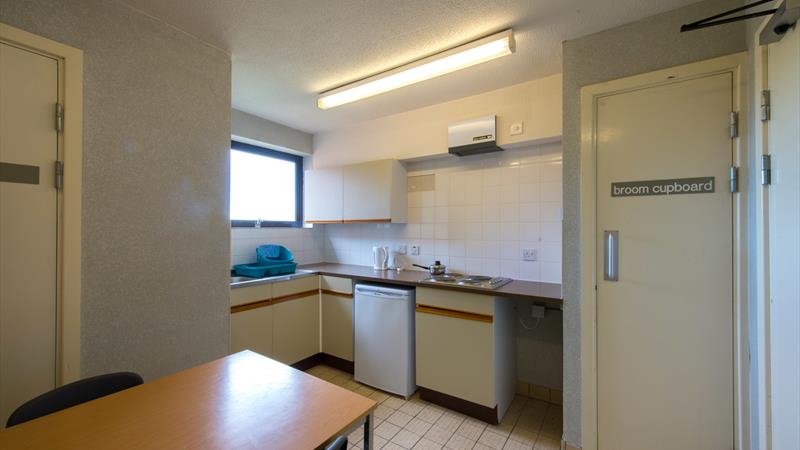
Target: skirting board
(475,410)
(326,359)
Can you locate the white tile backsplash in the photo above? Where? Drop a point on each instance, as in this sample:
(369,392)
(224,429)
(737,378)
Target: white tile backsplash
(480,216)
(307,244)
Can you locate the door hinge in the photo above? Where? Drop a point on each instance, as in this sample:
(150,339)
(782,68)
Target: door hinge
(766,170)
(59,117)
(59,181)
(766,109)
(734,124)
(734,179)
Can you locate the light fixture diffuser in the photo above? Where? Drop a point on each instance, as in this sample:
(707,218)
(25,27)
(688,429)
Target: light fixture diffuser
(457,58)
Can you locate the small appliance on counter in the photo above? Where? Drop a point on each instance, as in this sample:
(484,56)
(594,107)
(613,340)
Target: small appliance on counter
(271,260)
(380,258)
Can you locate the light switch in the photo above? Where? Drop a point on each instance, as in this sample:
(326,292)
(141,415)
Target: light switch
(415,250)
(515,129)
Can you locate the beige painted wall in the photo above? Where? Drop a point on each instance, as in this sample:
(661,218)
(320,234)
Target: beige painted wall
(156,234)
(423,132)
(639,47)
(259,131)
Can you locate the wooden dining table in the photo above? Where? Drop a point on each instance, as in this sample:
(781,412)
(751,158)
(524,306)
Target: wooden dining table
(242,401)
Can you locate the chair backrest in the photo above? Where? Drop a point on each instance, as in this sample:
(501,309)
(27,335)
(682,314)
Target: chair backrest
(73,394)
(339,443)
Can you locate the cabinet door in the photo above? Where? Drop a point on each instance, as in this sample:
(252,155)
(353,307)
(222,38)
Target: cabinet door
(336,304)
(367,191)
(323,195)
(337,325)
(296,329)
(252,330)
(454,357)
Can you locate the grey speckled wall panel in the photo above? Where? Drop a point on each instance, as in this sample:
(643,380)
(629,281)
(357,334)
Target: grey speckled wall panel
(643,46)
(156,236)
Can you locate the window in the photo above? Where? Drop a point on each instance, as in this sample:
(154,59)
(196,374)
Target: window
(266,187)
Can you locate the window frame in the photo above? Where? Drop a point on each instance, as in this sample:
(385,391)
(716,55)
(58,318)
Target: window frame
(271,153)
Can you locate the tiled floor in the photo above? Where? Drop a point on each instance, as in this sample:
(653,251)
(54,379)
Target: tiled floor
(417,424)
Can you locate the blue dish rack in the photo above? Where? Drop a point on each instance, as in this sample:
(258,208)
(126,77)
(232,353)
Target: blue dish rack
(280,264)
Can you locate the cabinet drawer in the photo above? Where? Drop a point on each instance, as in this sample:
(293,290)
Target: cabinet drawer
(456,301)
(455,357)
(336,284)
(293,287)
(252,330)
(250,294)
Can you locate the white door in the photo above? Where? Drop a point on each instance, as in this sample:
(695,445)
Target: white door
(665,375)
(783,70)
(28,226)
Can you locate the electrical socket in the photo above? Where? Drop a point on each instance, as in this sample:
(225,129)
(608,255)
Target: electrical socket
(515,129)
(529,254)
(402,249)
(415,250)
(537,312)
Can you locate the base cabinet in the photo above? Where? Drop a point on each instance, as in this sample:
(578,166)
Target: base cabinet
(336,303)
(466,348)
(252,330)
(296,329)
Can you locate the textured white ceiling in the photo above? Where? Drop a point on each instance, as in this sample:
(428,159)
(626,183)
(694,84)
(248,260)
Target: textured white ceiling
(287,51)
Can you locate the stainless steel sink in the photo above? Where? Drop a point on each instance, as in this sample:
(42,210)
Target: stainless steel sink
(241,279)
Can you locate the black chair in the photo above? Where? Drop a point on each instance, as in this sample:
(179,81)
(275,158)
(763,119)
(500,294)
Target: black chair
(73,394)
(339,443)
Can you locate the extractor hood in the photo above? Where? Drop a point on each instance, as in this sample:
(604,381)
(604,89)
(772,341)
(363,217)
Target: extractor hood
(473,137)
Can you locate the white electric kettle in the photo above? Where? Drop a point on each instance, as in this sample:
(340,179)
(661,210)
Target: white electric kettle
(380,258)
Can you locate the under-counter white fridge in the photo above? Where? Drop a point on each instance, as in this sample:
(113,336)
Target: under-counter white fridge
(384,338)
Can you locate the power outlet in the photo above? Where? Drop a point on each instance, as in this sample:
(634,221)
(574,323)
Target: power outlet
(529,254)
(515,129)
(402,249)
(415,250)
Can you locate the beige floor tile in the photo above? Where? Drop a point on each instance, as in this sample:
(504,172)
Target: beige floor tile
(356,435)
(524,436)
(471,428)
(544,443)
(427,444)
(438,434)
(366,391)
(394,402)
(479,446)
(383,412)
(412,407)
(339,380)
(431,413)
(450,421)
(418,426)
(386,430)
(379,396)
(492,439)
(352,385)
(515,445)
(406,439)
(458,442)
(399,418)
(391,446)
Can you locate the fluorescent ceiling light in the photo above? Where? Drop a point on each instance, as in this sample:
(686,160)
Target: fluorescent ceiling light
(458,58)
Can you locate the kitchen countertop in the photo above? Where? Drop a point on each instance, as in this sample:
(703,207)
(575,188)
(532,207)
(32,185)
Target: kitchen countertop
(547,293)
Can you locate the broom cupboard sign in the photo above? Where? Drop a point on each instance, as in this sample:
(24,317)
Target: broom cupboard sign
(675,186)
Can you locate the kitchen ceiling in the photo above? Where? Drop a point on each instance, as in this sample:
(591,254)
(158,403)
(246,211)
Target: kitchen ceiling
(285,52)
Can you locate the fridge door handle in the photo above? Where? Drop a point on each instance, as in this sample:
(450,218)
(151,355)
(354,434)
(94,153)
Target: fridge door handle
(611,255)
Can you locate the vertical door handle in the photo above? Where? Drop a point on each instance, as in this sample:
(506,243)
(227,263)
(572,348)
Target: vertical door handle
(611,255)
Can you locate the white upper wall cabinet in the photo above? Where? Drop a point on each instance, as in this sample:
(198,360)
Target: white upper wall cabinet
(376,192)
(368,192)
(323,195)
